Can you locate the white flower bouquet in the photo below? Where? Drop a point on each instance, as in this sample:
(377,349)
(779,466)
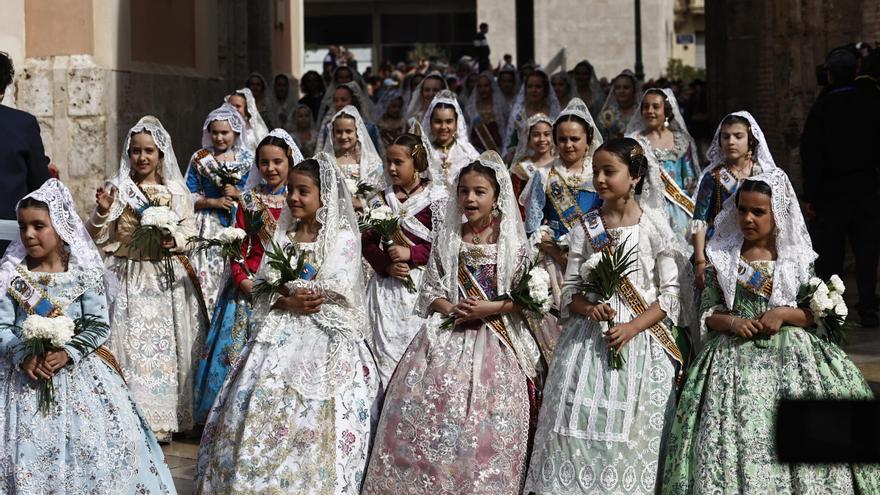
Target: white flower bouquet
(358,188)
(229,240)
(386,223)
(532,293)
(829,309)
(601,274)
(42,334)
(157,223)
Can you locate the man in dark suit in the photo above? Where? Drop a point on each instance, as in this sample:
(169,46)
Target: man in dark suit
(23,164)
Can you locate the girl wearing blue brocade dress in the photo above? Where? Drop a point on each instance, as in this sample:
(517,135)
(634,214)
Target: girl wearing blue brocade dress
(230,325)
(215,176)
(659,121)
(92,438)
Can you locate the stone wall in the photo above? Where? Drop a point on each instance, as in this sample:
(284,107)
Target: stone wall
(85,110)
(761,57)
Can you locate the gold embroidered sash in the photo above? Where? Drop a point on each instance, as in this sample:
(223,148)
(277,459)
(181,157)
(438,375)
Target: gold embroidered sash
(601,241)
(36,301)
(468,287)
(675,194)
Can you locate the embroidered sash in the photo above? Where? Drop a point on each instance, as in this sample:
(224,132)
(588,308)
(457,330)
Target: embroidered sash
(563,199)
(469,287)
(726,179)
(485,136)
(601,241)
(674,194)
(35,301)
(753,280)
(135,198)
(138,202)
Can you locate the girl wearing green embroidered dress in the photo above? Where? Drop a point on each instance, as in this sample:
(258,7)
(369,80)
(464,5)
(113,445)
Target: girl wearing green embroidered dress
(761,347)
(601,429)
(738,151)
(93,438)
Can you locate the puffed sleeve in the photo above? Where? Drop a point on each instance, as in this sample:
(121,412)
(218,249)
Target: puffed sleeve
(536,199)
(669,287)
(93,302)
(435,285)
(193,180)
(10,343)
(711,302)
(703,203)
(578,252)
(187,227)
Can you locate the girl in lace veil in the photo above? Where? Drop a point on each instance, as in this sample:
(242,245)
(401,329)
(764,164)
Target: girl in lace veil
(257,84)
(764,344)
(555,198)
(659,120)
(353,151)
(446,130)
(738,151)
(562,86)
(599,414)
(343,95)
(344,76)
(423,95)
(254,129)
(587,86)
(534,149)
(155,325)
(399,268)
(487,353)
(282,99)
(536,95)
(215,177)
(487,114)
(55,260)
(389,116)
(620,105)
(303,129)
(307,374)
(257,215)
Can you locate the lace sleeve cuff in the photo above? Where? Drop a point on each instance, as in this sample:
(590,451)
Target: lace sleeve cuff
(671,305)
(696,226)
(704,328)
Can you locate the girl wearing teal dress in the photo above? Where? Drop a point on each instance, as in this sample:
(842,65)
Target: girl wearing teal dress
(761,345)
(660,122)
(92,438)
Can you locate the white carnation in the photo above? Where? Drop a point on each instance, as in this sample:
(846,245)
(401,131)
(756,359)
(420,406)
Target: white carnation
(836,299)
(841,310)
(822,289)
(352,186)
(836,284)
(539,287)
(58,331)
(589,265)
(272,275)
(231,234)
(815,281)
(161,217)
(381,213)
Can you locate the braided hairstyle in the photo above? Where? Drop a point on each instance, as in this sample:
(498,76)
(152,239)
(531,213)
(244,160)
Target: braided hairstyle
(417,151)
(630,152)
